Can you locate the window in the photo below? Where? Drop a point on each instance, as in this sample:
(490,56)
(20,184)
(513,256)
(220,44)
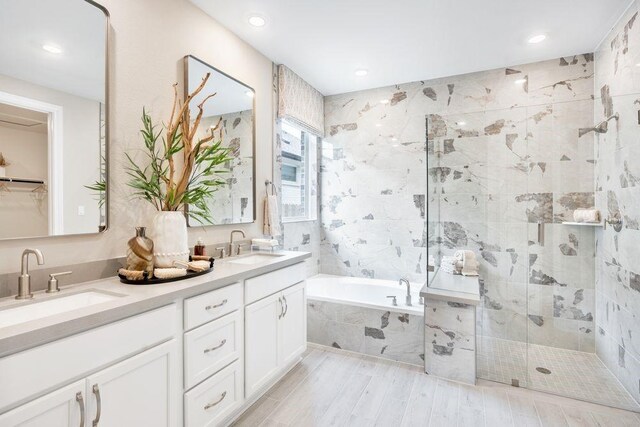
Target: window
(299,173)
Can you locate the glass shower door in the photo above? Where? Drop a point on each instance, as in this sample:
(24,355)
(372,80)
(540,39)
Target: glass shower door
(478,189)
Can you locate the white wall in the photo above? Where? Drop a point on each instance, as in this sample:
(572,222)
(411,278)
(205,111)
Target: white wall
(148,41)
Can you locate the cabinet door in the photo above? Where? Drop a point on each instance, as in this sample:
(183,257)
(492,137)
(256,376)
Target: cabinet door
(140,391)
(61,408)
(261,341)
(293,324)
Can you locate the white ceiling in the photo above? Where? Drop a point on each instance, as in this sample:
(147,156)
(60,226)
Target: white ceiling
(75,26)
(409,40)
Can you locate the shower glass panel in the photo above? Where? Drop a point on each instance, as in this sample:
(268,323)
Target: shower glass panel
(478,200)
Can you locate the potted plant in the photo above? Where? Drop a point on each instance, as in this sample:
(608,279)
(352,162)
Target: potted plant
(3,165)
(180,170)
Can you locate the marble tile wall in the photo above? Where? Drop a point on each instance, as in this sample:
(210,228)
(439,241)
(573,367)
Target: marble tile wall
(506,148)
(390,335)
(450,340)
(617,288)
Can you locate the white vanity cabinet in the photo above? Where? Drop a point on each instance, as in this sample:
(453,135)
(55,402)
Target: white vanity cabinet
(137,392)
(64,408)
(197,361)
(275,325)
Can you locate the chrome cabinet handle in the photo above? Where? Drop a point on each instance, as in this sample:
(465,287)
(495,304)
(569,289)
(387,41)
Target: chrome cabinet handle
(286,306)
(223,342)
(211,307)
(212,404)
(80,401)
(96,392)
(281,308)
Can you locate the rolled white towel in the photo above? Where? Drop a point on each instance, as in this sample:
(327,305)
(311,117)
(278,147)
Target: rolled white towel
(586,215)
(264,242)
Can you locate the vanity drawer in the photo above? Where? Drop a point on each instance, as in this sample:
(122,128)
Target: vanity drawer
(211,347)
(267,284)
(203,308)
(216,398)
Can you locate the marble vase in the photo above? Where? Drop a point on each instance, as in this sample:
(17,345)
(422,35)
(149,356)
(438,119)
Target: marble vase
(169,233)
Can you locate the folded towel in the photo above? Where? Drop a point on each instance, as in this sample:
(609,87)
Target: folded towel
(586,215)
(469,263)
(271,222)
(269,243)
(169,273)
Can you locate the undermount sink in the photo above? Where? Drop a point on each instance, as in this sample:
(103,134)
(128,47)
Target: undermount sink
(32,310)
(254,259)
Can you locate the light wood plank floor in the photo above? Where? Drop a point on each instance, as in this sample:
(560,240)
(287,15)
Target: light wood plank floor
(336,388)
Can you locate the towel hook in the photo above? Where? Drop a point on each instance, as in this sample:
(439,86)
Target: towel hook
(268,183)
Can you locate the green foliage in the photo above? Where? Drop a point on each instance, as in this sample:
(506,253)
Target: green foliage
(100,187)
(155,183)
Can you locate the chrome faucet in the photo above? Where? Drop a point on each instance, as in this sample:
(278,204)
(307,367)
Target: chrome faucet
(405,281)
(24,281)
(232,250)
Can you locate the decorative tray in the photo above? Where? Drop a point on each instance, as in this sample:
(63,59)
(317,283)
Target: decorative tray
(154,281)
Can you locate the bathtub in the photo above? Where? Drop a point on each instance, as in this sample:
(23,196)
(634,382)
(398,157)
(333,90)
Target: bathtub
(355,314)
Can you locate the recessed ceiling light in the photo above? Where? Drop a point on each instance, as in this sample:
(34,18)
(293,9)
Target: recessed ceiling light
(249,94)
(520,81)
(537,38)
(378,125)
(51,48)
(257,21)
(384,101)
(361,72)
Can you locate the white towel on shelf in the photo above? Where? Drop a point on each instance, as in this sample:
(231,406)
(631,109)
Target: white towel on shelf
(469,262)
(586,215)
(450,265)
(271,223)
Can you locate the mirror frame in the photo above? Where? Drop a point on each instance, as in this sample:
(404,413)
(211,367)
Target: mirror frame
(107,132)
(253,137)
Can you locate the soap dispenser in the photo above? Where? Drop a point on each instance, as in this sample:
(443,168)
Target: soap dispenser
(198,249)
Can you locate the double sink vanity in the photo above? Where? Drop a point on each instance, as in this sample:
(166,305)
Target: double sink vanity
(195,352)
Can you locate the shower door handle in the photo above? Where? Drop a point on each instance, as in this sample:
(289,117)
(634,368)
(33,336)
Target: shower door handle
(540,233)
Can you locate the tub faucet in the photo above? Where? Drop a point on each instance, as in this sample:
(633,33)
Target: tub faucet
(24,281)
(405,281)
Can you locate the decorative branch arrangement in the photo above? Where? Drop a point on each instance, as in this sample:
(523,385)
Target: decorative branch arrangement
(3,161)
(171,182)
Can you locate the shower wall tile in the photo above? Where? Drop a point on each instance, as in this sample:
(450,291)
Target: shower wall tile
(502,156)
(617,284)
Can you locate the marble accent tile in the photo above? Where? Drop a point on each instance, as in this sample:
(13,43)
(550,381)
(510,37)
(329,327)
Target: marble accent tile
(450,340)
(390,335)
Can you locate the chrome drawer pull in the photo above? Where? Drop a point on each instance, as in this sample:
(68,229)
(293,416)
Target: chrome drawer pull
(211,307)
(281,308)
(223,342)
(81,403)
(96,392)
(286,306)
(211,405)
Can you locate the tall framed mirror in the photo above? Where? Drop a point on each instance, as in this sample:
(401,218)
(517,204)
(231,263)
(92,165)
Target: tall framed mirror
(234,107)
(53,118)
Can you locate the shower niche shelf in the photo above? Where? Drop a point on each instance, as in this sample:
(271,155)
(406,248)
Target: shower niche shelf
(584,224)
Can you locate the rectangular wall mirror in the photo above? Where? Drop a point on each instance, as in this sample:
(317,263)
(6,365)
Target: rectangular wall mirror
(233,103)
(53,118)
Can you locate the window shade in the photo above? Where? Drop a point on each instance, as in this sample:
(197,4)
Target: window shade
(300,102)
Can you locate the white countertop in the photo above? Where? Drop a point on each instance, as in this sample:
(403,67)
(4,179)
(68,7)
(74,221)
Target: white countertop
(136,299)
(452,287)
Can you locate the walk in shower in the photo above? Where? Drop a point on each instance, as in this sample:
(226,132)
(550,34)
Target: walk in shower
(510,158)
